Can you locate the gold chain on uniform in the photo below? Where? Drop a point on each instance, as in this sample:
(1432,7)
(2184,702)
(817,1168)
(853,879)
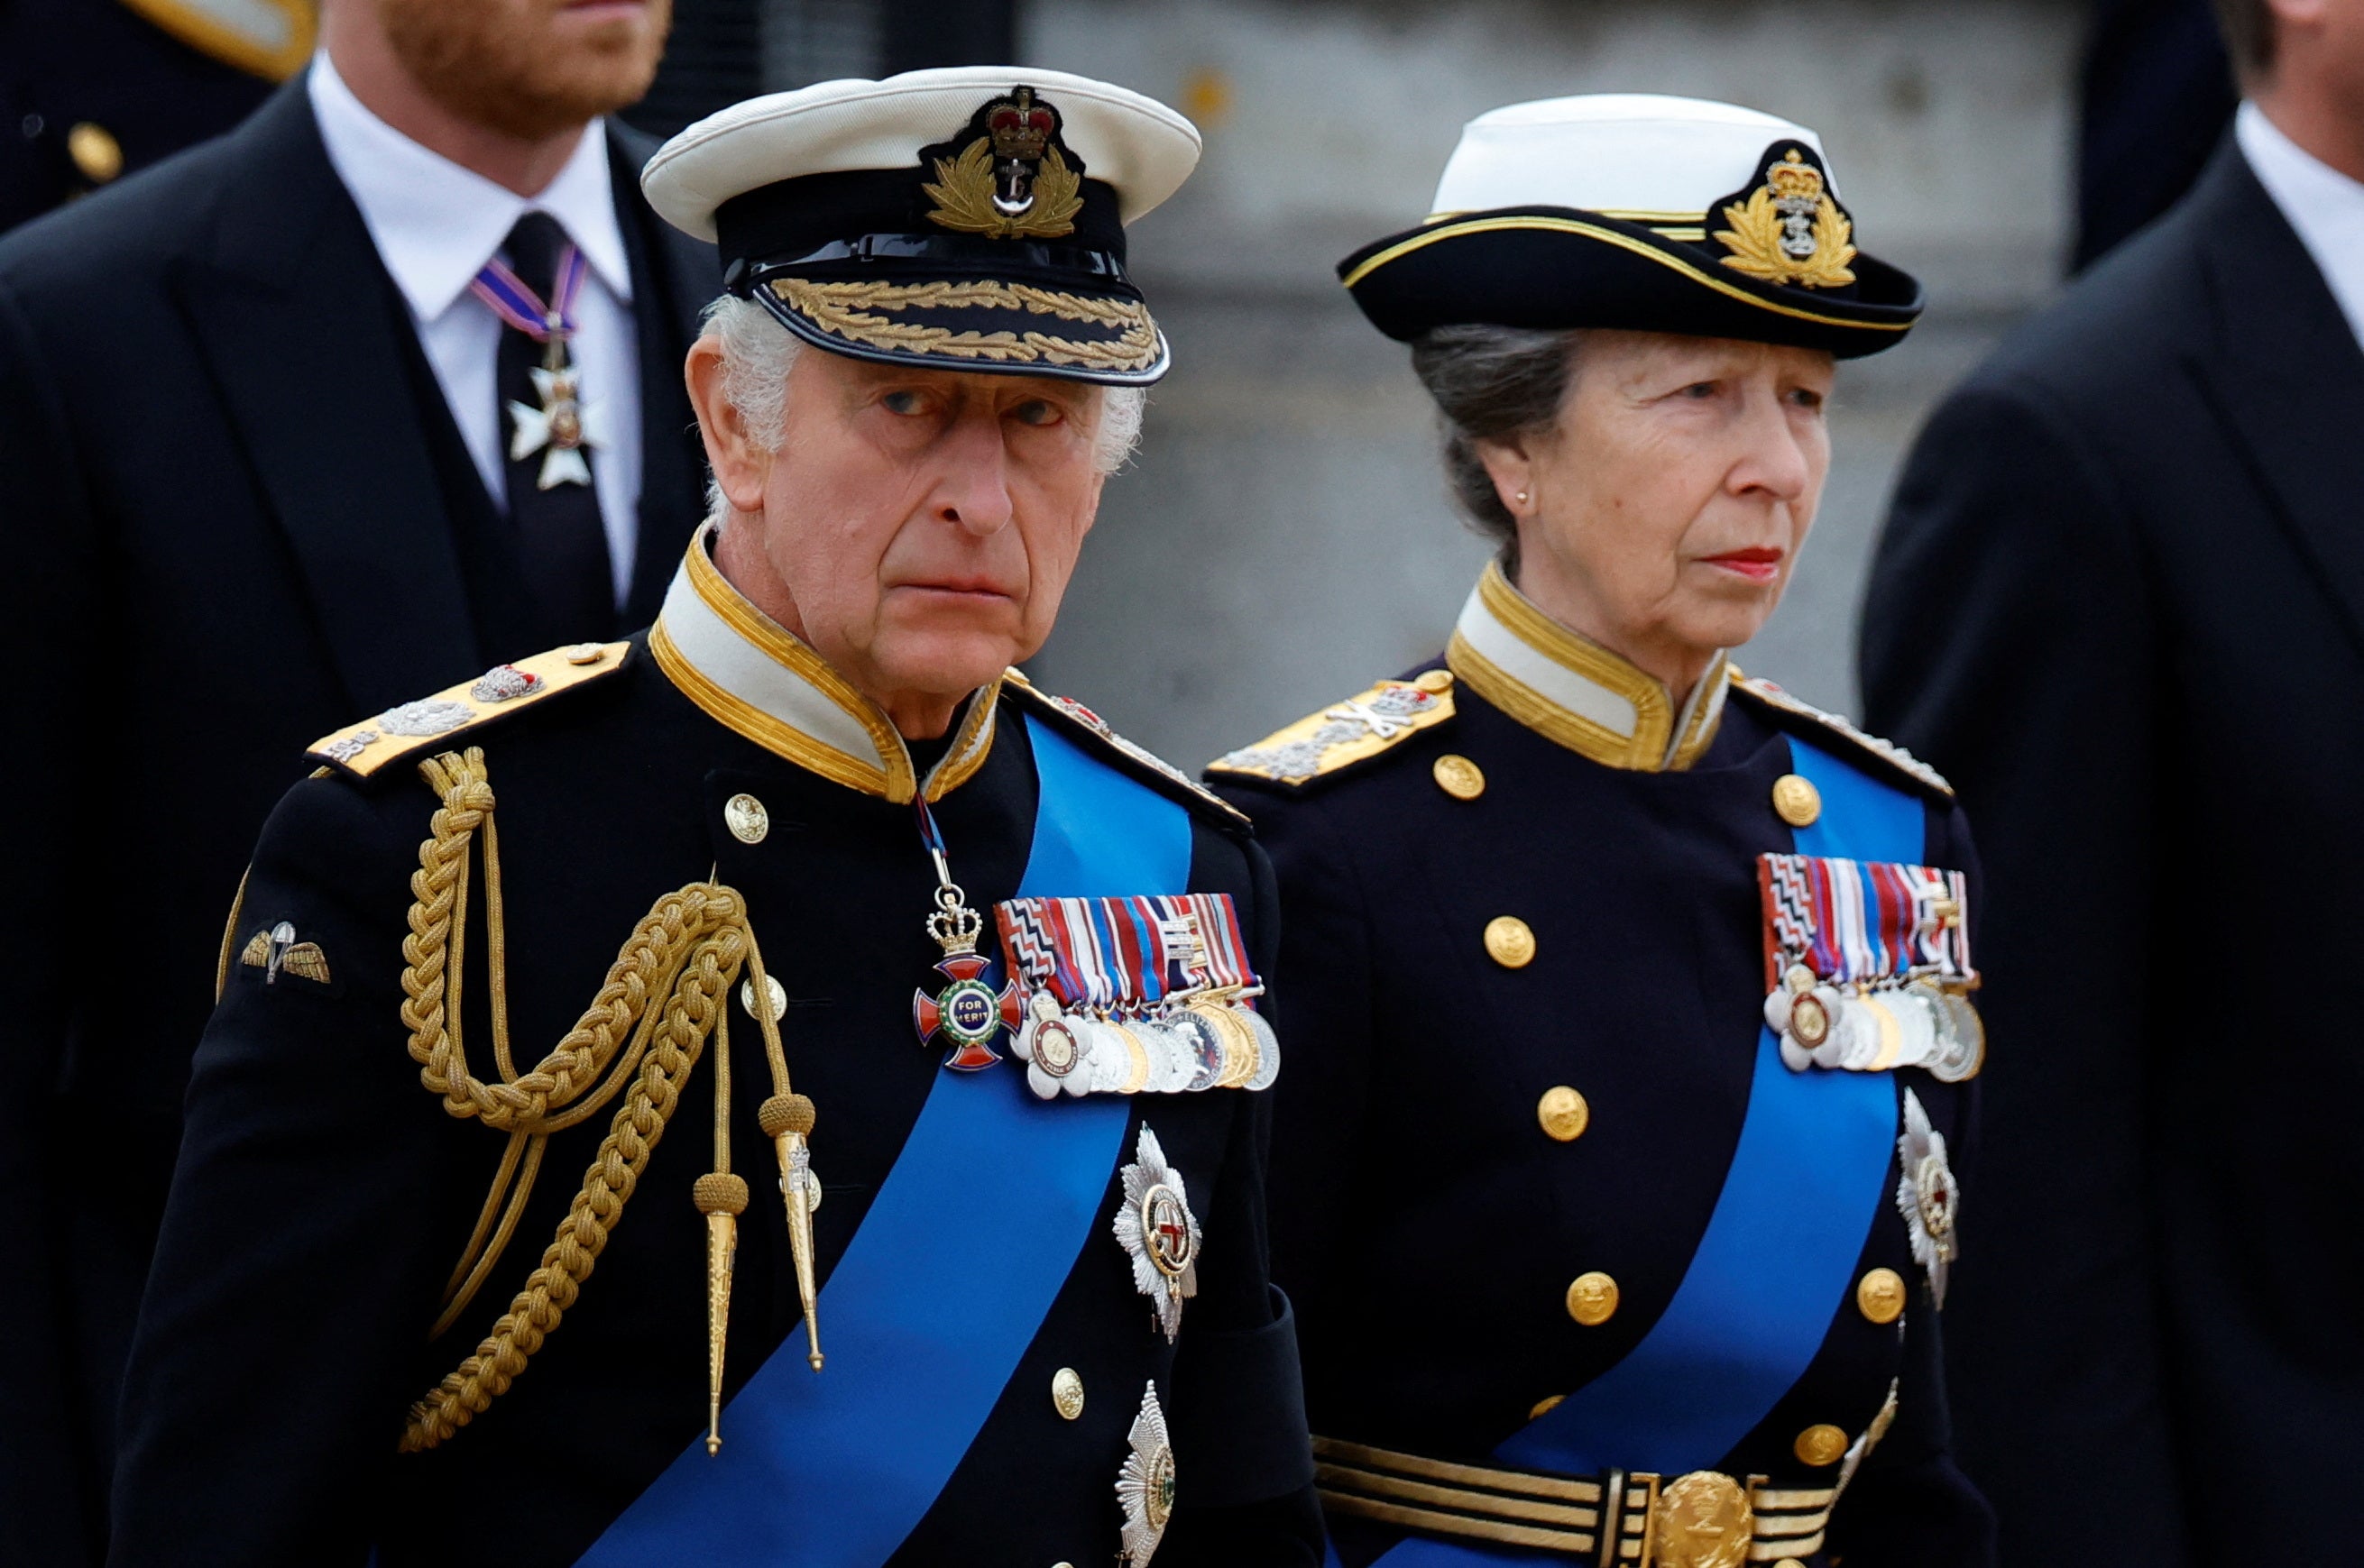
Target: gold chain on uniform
(640,1038)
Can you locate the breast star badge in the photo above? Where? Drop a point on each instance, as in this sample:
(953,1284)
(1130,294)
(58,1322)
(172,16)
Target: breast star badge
(1154,1225)
(276,952)
(1926,1195)
(1144,1488)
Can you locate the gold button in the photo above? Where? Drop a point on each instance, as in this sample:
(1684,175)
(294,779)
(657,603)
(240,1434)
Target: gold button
(586,653)
(94,152)
(747,818)
(1459,777)
(1433,680)
(1564,1114)
(1821,1445)
(1880,1297)
(1510,943)
(1545,1406)
(1068,1393)
(1797,801)
(1592,1299)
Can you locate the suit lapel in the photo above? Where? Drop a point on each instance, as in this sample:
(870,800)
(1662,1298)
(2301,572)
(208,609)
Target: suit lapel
(672,278)
(296,317)
(2285,372)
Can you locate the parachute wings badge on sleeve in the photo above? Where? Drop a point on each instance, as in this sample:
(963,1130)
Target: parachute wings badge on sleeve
(276,952)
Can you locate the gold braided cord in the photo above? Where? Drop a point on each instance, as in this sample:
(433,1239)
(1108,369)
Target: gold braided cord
(850,310)
(229,935)
(640,1039)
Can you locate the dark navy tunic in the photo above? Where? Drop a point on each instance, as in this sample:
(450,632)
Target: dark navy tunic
(323,1194)
(1426,1224)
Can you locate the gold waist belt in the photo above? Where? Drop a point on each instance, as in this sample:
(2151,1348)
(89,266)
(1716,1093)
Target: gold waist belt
(1704,1519)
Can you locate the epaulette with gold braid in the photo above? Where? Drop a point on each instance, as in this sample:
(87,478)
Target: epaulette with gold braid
(1886,751)
(1344,733)
(363,749)
(1081,717)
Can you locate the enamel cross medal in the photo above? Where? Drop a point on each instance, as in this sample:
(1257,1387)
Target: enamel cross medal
(564,426)
(968,1012)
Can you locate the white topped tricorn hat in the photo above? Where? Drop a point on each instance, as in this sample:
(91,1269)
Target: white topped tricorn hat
(970,217)
(1638,211)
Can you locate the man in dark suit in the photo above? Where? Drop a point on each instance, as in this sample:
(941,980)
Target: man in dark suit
(267,459)
(2121,602)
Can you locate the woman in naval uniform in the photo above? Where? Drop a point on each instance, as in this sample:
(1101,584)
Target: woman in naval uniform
(1628,999)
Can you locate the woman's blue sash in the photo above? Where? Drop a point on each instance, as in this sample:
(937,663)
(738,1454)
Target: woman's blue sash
(927,1321)
(1777,1263)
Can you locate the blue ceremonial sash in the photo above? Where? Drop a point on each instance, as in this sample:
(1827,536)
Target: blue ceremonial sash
(1778,1256)
(927,1320)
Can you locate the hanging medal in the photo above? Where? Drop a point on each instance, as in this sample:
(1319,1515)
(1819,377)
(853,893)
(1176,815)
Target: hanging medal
(964,1010)
(1144,994)
(564,426)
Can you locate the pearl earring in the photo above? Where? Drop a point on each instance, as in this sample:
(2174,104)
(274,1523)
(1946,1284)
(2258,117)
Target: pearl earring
(1522,497)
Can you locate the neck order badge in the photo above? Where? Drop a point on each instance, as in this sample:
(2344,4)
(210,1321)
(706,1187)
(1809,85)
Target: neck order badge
(844,1463)
(1779,1251)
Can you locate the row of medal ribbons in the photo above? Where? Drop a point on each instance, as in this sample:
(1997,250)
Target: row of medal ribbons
(1144,994)
(1868,965)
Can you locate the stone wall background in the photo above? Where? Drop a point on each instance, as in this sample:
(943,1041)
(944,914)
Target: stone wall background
(1283,538)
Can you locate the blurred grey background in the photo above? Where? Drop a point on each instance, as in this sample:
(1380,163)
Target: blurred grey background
(1283,538)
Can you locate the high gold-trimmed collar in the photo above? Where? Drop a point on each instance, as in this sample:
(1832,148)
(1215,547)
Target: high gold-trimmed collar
(754,676)
(1569,689)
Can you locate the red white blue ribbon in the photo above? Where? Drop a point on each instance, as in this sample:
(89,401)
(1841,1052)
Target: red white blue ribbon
(1865,922)
(1125,957)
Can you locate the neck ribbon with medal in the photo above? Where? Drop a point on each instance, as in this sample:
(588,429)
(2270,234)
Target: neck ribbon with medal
(564,426)
(1144,994)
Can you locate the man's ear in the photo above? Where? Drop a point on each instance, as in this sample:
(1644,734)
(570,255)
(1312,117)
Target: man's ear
(741,464)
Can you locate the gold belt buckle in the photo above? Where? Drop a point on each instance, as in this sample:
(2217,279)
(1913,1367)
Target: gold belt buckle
(1700,1521)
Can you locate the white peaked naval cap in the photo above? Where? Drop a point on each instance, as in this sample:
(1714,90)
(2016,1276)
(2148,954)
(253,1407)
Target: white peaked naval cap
(1131,142)
(1612,152)
(970,219)
(1637,212)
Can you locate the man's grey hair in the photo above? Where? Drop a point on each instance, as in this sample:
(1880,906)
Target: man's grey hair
(1492,384)
(758,353)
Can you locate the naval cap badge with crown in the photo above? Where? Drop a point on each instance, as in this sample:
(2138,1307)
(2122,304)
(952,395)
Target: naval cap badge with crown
(1012,180)
(1789,229)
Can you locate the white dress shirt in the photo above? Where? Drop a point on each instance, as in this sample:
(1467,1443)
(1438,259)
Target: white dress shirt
(2325,206)
(435,224)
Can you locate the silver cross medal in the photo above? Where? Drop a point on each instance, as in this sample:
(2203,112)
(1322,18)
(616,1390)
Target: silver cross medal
(564,426)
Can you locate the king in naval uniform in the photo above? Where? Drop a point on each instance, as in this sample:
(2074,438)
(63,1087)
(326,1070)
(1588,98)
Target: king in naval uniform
(778,1089)
(1630,1022)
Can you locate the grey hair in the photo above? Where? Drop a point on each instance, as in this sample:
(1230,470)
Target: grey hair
(758,353)
(1492,384)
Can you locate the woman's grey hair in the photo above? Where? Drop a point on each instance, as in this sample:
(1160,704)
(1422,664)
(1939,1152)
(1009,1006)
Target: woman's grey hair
(1492,384)
(758,353)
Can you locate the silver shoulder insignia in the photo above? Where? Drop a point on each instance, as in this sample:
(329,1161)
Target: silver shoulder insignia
(1075,712)
(1887,751)
(363,749)
(276,952)
(1363,726)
